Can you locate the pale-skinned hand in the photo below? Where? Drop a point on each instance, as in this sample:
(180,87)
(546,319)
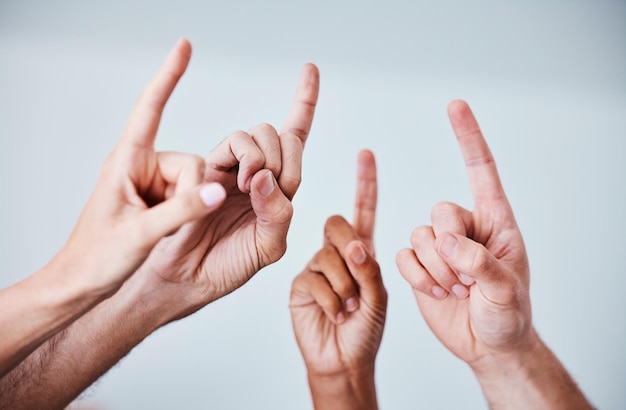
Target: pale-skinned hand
(469,270)
(261,172)
(140,197)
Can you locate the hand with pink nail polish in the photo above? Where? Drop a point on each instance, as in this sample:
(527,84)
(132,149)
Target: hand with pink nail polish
(338,305)
(470,275)
(252,175)
(140,197)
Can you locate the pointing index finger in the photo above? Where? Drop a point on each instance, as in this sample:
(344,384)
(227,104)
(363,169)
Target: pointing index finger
(300,117)
(481,167)
(144,121)
(366,197)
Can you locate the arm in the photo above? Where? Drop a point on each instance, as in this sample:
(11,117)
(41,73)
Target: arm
(338,306)
(470,275)
(203,261)
(140,197)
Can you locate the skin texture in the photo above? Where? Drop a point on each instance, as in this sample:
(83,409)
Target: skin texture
(141,196)
(470,275)
(199,263)
(338,305)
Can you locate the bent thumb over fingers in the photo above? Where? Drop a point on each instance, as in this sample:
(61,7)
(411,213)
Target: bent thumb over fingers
(273,216)
(470,258)
(189,205)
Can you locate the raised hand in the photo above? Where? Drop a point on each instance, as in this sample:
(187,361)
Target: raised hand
(140,197)
(470,276)
(260,170)
(338,305)
(198,263)
(469,270)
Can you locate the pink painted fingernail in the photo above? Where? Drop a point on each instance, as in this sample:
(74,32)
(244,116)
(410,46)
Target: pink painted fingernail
(212,194)
(439,292)
(352,304)
(460,291)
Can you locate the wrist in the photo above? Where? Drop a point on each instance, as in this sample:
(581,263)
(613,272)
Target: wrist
(496,366)
(350,389)
(530,377)
(161,301)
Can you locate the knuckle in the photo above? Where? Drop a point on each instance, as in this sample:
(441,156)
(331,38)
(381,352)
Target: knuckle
(344,289)
(422,283)
(420,234)
(238,135)
(264,128)
(481,261)
(292,140)
(329,303)
(443,208)
(327,252)
(284,213)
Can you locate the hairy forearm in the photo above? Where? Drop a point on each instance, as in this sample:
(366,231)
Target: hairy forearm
(353,390)
(57,372)
(36,308)
(533,379)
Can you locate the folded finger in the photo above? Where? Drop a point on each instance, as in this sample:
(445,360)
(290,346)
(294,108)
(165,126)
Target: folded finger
(329,263)
(418,277)
(266,138)
(238,153)
(423,243)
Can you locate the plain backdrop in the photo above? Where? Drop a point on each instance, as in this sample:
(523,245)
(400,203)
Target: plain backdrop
(546,79)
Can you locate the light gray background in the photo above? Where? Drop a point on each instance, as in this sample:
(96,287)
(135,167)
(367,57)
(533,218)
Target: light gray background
(546,79)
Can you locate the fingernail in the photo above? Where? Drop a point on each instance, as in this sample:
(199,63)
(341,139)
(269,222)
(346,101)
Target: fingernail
(439,292)
(267,184)
(460,291)
(212,194)
(358,254)
(340,317)
(352,304)
(466,280)
(448,246)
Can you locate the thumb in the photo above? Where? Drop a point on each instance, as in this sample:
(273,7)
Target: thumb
(366,272)
(468,257)
(273,215)
(166,217)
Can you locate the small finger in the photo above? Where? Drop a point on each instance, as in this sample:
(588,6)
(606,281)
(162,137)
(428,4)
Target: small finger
(328,262)
(323,294)
(423,243)
(418,277)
